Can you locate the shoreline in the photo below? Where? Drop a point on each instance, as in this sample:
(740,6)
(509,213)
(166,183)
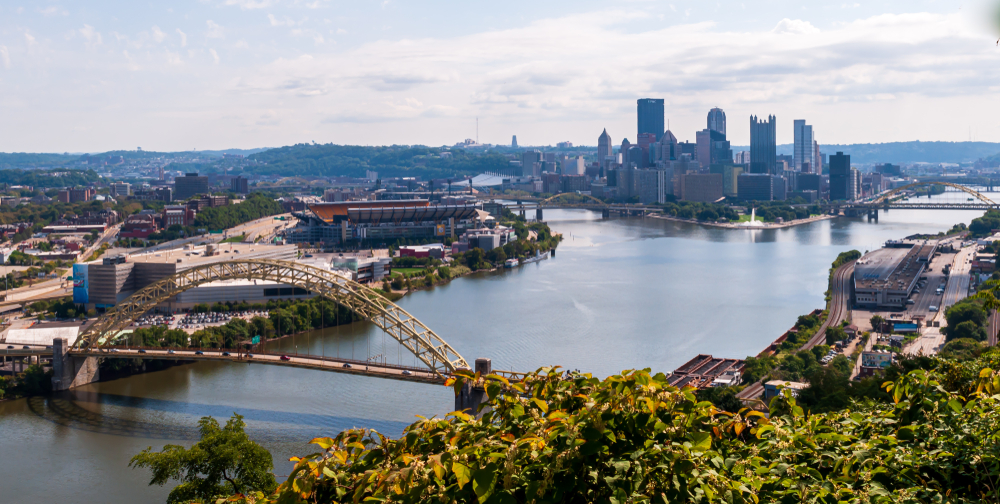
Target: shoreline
(729,225)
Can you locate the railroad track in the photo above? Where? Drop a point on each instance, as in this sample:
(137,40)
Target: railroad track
(839,309)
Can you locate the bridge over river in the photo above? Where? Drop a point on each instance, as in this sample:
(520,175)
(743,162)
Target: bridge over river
(77,364)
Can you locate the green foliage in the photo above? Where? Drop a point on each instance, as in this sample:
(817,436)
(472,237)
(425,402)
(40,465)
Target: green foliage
(60,308)
(771,212)
(966,319)
(756,368)
(835,334)
(962,349)
(723,398)
(330,160)
(930,437)
(41,178)
(984,226)
(34,381)
(224,462)
(254,207)
(700,211)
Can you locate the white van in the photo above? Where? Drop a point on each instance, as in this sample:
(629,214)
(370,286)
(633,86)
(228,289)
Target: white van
(932,308)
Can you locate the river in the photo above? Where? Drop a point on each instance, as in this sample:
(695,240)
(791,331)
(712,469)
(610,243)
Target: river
(620,294)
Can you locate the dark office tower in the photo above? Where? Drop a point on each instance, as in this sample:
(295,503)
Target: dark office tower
(603,147)
(840,176)
(669,146)
(649,112)
(189,185)
(513,142)
(763,146)
(717,121)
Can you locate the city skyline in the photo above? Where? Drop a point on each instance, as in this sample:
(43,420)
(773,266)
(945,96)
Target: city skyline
(255,73)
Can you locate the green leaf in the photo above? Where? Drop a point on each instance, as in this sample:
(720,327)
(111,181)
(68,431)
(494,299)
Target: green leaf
(541,404)
(700,441)
(462,473)
(483,480)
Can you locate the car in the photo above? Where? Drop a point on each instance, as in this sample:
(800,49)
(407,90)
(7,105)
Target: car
(249,356)
(10,347)
(225,354)
(348,366)
(285,357)
(407,372)
(26,347)
(199,352)
(142,350)
(932,308)
(910,301)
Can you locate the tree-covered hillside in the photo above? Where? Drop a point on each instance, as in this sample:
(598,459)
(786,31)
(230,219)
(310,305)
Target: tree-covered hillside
(48,178)
(330,160)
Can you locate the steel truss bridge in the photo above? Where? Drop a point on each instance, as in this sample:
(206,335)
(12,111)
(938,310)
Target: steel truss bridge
(890,200)
(438,357)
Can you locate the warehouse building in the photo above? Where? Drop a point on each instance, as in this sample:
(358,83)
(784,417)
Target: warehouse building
(885,278)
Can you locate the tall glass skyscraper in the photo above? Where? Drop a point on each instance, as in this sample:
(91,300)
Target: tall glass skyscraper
(840,174)
(717,121)
(649,112)
(803,149)
(763,146)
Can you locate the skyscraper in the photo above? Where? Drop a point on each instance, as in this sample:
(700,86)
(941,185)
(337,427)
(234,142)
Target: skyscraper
(603,146)
(668,146)
(840,177)
(763,145)
(717,120)
(649,113)
(513,142)
(803,149)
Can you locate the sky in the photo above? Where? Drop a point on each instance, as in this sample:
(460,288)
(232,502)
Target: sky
(215,74)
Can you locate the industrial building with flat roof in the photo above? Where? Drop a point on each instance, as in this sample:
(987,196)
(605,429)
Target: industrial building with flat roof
(885,278)
(104,283)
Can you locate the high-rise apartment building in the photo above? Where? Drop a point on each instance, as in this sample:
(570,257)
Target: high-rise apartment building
(763,145)
(803,150)
(717,120)
(649,115)
(189,185)
(240,185)
(840,177)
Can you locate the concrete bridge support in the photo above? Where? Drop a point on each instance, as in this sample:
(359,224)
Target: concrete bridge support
(472,395)
(538,214)
(873,215)
(605,213)
(69,371)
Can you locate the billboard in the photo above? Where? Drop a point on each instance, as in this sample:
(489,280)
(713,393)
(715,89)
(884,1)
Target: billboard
(439,230)
(80,284)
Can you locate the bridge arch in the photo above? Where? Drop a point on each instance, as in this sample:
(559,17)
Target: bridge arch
(976,194)
(587,196)
(425,344)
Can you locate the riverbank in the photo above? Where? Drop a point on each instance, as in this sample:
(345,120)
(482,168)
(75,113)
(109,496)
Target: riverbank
(742,225)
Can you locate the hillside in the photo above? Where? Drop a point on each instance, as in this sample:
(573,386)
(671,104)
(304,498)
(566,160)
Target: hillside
(328,160)
(905,152)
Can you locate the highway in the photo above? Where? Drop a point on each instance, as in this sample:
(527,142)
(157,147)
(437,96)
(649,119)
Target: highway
(840,309)
(956,289)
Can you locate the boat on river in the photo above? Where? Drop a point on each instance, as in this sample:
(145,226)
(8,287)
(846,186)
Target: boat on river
(510,263)
(537,258)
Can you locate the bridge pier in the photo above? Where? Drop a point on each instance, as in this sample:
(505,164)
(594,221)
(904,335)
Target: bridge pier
(472,395)
(538,214)
(522,213)
(69,371)
(605,213)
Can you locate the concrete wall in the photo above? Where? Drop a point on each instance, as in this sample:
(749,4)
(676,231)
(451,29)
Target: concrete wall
(69,371)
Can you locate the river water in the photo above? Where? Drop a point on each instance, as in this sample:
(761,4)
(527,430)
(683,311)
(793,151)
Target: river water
(620,294)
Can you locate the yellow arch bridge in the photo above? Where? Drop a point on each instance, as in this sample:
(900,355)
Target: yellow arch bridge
(78,365)
(890,199)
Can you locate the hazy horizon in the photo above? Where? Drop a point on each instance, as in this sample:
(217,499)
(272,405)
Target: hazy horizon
(245,73)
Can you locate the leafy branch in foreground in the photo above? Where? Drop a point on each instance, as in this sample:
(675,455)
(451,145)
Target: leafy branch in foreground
(634,438)
(224,462)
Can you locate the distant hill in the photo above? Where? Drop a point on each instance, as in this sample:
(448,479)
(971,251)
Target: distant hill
(329,160)
(905,152)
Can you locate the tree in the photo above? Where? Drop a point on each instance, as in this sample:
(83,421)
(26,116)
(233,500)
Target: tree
(877,322)
(224,462)
(474,258)
(966,330)
(835,334)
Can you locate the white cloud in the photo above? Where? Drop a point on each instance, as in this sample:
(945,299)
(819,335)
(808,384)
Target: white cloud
(174,58)
(249,4)
(184,38)
(130,61)
(795,26)
(280,22)
(158,34)
(92,36)
(53,11)
(29,38)
(214,30)
(5,57)
(215,55)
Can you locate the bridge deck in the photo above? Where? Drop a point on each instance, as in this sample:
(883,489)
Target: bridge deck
(294,360)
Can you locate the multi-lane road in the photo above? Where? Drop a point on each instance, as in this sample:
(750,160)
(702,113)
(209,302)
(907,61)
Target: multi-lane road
(956,289)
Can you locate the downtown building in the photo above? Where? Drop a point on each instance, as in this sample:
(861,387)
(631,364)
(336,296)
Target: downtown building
(649,116)
(763,145)
(804,148)
(842,187)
